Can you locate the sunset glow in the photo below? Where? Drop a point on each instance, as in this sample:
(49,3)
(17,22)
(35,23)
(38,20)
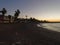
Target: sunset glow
(39,9)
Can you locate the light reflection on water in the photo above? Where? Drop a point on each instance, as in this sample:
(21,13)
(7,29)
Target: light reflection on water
(52,26)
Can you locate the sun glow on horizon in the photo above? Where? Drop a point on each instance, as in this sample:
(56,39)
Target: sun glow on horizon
(41,9)
(50,20)
(53,20)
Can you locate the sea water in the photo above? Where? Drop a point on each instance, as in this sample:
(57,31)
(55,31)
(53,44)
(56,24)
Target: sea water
(51,26)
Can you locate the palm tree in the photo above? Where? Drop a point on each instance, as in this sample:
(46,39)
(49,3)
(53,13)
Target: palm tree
(16,14)
(4,11)
(26,16)
(9,16)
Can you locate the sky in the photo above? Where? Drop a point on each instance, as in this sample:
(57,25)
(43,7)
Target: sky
(39,9)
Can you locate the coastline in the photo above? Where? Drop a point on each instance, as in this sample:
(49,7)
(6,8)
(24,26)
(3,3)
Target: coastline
(29,33)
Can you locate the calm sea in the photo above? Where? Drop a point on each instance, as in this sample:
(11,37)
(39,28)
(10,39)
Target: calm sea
(52,26)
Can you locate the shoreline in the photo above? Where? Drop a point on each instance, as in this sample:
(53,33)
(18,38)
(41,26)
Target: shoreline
(31,33)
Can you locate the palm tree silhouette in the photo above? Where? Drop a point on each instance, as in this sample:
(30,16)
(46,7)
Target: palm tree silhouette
(16,14)
(3,11)
(26,16)
(9,16)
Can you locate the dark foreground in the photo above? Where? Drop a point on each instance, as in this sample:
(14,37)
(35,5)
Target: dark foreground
(27,34)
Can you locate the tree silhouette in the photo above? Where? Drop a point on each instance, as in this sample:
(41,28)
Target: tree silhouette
(4,11)
(26,16)
(9,16)
(16,14)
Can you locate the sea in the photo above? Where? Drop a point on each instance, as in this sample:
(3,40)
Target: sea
(51,26)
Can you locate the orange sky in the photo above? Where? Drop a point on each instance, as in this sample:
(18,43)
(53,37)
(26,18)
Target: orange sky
(54,20)
(39,9)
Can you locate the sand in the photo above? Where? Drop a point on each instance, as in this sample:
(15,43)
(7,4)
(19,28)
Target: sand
(28,34)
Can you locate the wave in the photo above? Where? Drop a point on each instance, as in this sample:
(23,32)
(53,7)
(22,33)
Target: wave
(52,26)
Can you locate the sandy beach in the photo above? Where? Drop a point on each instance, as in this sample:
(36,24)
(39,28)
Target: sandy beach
(28,34)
